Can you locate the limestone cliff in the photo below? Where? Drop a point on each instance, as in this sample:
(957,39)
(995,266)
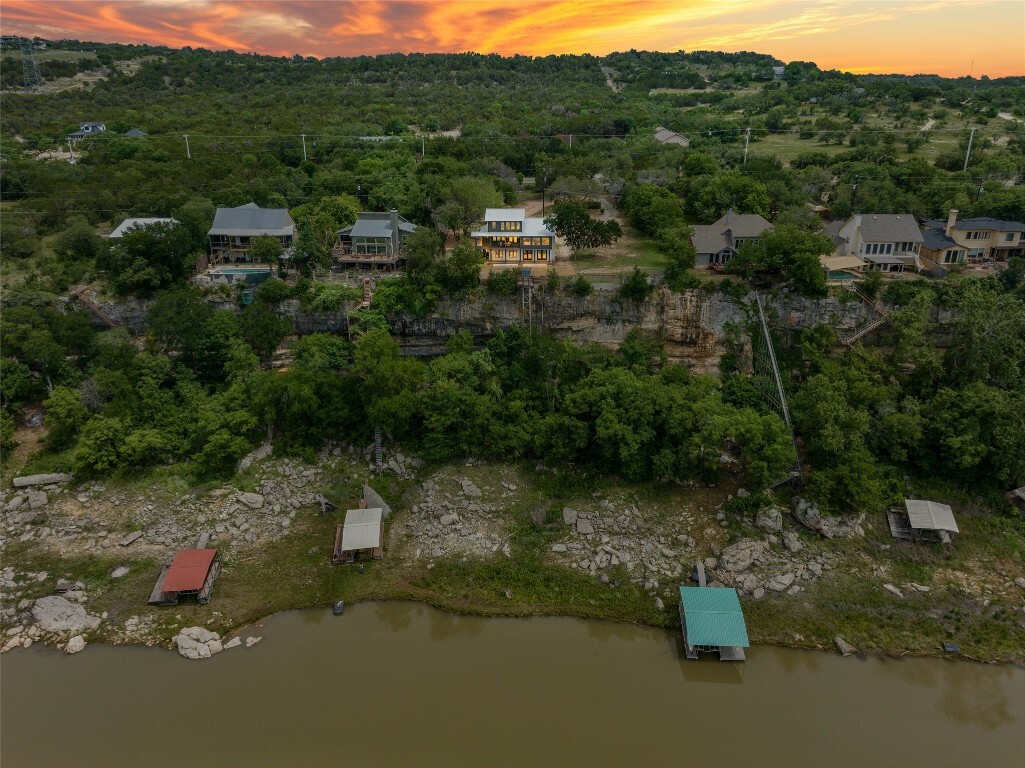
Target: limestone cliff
(694,325)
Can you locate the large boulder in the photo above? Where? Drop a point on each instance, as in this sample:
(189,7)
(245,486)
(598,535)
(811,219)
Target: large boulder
(252,500)
(809,516)
(55,614)
(198,643)
(470,490)
(22,482)
(75,644)
(742,555)
(374,501)
(770,519)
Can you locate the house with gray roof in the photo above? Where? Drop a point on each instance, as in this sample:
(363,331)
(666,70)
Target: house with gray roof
(719,242)
(87,129)
(135,133)
(375,240)
(888,242)
(665,136)
(234,228)
(980,238)
(510,236)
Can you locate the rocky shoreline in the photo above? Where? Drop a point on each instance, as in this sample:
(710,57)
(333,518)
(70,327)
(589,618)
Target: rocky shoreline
(453,514)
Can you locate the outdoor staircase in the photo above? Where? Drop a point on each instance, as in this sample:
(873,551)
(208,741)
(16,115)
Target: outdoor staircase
(92,306)
(378,451)
(368,293)
(883,313)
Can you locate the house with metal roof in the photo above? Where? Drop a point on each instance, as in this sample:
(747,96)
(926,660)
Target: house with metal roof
(712,620)
(128,225)
(888,242)
(922,519)
(665,136)
(87,129)
(234,228)
(720,242)
(359,537)
(510,236)
(375,240)
(982,237)
(135,133)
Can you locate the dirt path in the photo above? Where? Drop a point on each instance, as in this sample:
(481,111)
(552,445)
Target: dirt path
(928,125)
(609,72)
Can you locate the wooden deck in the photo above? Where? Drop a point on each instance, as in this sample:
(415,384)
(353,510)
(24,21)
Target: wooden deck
(157,596)
(208,585)
(900,526)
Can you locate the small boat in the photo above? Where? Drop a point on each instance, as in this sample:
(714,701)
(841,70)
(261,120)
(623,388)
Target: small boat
(338,608)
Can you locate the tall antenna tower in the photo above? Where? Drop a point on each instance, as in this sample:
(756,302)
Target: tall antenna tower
(29,68)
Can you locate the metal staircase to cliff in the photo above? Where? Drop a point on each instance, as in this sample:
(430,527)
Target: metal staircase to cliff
(767,365)
(883,313)
(92,306)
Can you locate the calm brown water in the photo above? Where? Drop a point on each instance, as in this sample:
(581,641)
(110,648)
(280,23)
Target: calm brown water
(401,684)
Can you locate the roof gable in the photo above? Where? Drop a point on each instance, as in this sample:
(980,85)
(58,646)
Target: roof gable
(713,616)
(188,570)
(930,515)
(362,529)
(890,228)
(505,214)
(252,220)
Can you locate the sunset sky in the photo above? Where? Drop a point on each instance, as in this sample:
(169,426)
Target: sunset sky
(932,36)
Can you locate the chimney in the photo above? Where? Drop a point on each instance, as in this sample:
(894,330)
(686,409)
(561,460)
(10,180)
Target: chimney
(393,220)
(951,221)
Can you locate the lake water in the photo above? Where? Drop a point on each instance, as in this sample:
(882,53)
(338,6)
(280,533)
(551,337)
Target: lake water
(402,684)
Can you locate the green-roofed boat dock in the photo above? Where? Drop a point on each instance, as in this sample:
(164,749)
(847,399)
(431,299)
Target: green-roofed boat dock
(712,621)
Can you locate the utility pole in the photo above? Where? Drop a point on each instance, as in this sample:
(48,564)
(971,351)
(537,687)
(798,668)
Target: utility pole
(854,195)
(968,151)
(747,140)
(544,180)
(571,141)
(188,152)
(423,147)
(304,147)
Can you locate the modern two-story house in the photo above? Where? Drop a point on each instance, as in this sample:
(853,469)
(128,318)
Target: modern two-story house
(234,228)
(719,242)
(981,237)
(888,242)
(510,237)
(376,240)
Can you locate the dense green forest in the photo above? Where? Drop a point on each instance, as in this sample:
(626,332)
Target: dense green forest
(199,389)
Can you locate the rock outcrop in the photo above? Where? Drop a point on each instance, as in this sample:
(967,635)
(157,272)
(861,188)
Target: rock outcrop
(57,614)
(808,515)
(198,643)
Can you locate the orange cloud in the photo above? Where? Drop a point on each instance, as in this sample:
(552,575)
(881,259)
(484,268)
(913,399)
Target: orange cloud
(940,36)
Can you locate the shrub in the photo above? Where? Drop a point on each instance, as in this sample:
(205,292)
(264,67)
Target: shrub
(273,291)
(502,282)
(635,286)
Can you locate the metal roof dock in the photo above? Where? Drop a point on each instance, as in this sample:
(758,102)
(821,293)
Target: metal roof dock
(712,620)
(359,535)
